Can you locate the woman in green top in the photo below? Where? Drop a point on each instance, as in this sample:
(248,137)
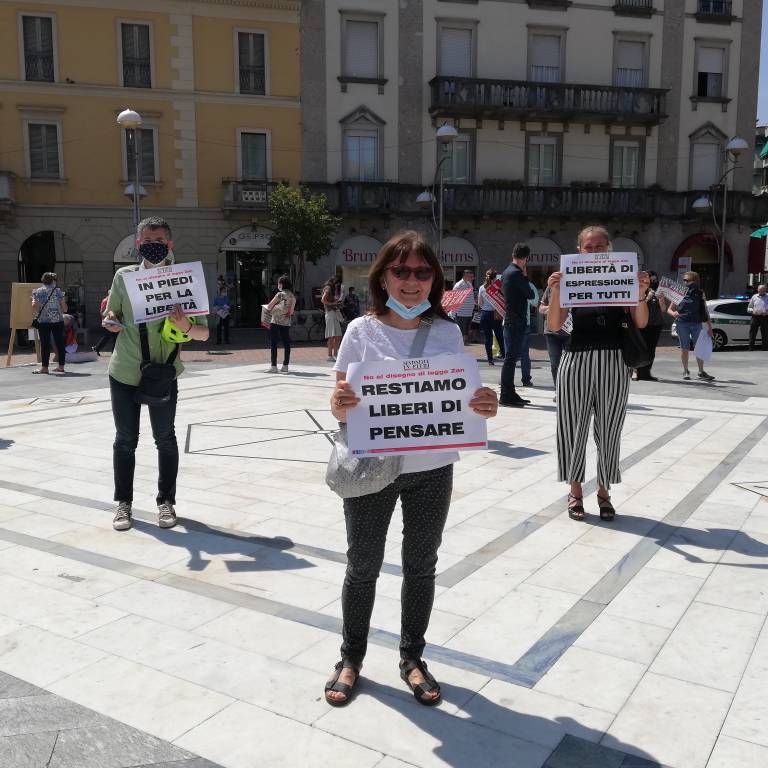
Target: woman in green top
(154,243)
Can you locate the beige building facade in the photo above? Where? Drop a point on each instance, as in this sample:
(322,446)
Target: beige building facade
(217,85)
(568,113)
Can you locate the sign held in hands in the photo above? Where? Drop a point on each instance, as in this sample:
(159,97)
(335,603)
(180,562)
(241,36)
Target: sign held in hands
(598,279)
(415,405)
(155,292)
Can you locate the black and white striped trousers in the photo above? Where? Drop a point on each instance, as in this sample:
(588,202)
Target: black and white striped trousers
(591,383)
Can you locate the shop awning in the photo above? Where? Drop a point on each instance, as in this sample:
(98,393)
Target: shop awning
(764,150)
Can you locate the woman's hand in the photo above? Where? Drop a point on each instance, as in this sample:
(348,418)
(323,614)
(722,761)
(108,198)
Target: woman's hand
(342,399)
(485,403)
(553,281)
(110,325)
(644,284)
(179,319)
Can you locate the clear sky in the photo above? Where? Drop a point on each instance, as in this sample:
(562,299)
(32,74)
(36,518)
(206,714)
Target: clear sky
(762,96)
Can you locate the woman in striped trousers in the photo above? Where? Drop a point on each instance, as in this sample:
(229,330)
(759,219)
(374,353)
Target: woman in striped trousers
(592,383)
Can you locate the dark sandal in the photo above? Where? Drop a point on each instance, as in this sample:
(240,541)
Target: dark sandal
(334,685)
(575,511)
(607,512)
(420,690)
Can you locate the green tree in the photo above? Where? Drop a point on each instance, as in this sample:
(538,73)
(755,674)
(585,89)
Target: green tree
(303,228)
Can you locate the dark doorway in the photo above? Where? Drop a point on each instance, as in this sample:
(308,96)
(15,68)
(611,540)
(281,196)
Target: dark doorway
(36,256)
(251,274)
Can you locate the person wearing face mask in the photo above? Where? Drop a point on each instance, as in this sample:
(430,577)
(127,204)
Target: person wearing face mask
(153,239)
(405,286)
(652,331)
(592,383)
(691,313)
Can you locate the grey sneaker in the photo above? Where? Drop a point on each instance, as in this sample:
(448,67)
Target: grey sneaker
(271,369)
(122,520)
(284,369)
(166,515)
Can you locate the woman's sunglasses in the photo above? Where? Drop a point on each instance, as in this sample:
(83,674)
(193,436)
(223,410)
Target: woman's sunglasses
(422,274)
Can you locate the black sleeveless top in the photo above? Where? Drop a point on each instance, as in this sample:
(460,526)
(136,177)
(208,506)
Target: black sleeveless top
(596,328)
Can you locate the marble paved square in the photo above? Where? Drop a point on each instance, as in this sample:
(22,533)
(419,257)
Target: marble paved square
(559,644)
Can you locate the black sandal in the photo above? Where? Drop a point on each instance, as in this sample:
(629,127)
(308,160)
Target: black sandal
(420,690)
(575,511)
(333,684)
(607,512)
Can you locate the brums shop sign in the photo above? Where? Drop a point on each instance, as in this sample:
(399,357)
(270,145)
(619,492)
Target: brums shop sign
(362,250)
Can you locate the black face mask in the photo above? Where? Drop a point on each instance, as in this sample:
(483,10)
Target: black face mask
(654,284)
(154,252)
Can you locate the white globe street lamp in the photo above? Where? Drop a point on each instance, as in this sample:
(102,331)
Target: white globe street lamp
(130,120)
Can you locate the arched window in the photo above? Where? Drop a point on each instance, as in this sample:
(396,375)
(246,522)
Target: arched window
(362,145)
(705,164)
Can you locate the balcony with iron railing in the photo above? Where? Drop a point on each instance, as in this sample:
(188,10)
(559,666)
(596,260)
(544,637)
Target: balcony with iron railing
(633,7)
(716,11)
(252,80)
(137,73)
(493,99)
(39,67)
(247,194)
(579,200)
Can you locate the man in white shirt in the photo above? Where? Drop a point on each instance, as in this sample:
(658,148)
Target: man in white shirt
(758,308)
(466,310)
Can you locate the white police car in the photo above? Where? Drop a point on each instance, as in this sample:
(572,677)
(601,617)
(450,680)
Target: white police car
(730,322)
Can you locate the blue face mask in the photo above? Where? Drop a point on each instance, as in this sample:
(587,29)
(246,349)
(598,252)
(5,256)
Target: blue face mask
(154,252)
(405,312)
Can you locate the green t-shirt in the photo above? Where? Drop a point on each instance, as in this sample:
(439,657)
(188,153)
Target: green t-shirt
(125,364)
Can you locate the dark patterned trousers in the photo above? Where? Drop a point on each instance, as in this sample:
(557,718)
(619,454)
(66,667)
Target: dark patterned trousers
(425,498)
(591,383)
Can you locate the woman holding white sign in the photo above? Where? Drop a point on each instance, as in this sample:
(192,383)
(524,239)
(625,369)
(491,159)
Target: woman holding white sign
(406,287)
(691,313)
(153,342)
(592,381)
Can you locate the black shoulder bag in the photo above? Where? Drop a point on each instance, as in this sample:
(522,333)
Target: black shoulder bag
(156,382)
(633,347)
(36,321)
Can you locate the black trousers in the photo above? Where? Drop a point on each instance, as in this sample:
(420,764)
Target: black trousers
(276,334)
(46,330)
(759,322)
(425,498)
(127,415)
(650,335)
(223,326)
(514,334)
(491,327)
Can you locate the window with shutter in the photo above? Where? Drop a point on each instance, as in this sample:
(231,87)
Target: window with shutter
(630,64)
(361,151)
(626,164)
(709,78)
(542,161)
(38,48)
(455,52)
(361,49)
(137,65)
(544,66)
(705,164)
(44,151)
(253,154)
(146,156)
(251,62)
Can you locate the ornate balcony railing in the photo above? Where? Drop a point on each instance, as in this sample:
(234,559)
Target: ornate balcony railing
(137,73)
(522,99)
(633,7)
(389,199)
(247,194)
(714,10)
(39,66)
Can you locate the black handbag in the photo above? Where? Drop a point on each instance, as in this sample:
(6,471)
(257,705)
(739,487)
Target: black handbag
(156,382)
(36,321)
(633,347)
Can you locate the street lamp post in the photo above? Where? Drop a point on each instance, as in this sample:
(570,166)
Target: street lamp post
(131,121)
(446,134)
(733,149)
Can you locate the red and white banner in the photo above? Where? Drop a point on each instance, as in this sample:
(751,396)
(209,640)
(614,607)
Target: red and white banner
(453,300)
(495,294)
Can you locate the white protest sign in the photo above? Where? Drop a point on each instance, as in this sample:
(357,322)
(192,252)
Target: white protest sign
(415,406)
(671,290)
(598,279)
(155,292)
